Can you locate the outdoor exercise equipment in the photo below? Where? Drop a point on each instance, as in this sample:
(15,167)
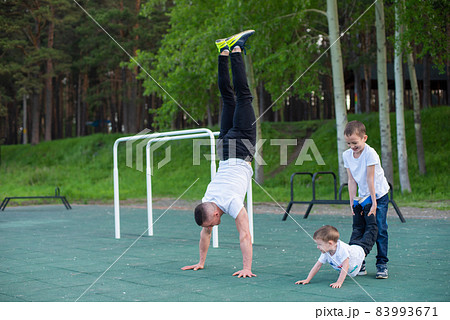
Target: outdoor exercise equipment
(170,136)
(314,201)
(56,196)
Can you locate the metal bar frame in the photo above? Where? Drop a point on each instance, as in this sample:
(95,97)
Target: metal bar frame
(116,170)
(169,136)
(62,198)
(314,201)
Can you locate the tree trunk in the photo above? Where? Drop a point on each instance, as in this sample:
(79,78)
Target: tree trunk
(338,84)
(417,117)
(383,98)
(132,110)
(209,108)
(399,109)
(48,82)
(11,122)
(281,112)
(84,106)
(35,118)
(367,73)
(259,168)
(124,101)
(67,105)
(358,100)
(261,101)
(426,82)
(25,127)
(57,110)
(113,103)
(368,87)
(327,100)
(78,114)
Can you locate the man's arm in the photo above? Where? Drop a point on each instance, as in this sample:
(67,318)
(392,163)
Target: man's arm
(352,188)
(205,239)
(342,275)
(245,240)
(311,274)
(371,184)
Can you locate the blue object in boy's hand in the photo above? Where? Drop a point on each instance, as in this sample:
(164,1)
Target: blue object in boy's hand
(361,203)
(365,201)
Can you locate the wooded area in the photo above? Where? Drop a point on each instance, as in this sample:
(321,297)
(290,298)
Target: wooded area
(73,68)
(72,79)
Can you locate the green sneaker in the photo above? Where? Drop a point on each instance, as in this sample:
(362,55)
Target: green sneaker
(239,39)
(222,45)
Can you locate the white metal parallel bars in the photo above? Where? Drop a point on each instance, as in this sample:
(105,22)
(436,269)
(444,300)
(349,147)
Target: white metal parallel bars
(167,136)
(149,185)
(116,170)
(149,175)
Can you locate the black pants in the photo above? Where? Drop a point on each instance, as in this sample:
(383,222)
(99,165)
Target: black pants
(237,136)
(365,230)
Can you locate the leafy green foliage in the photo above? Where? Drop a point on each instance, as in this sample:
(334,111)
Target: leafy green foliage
(82,167)
(282,48)
(427,30)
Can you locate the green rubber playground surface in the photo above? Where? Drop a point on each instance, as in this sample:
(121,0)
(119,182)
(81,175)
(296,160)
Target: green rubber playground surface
(48,253)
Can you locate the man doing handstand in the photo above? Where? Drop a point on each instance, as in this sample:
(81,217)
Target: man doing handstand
(236,147)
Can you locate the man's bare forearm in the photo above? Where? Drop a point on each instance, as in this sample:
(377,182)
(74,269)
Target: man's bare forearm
(205,239)
(247,251)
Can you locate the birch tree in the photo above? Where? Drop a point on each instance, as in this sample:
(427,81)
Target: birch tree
(383,97)
(417,117)
(428,33)
(338,83)
(399,106)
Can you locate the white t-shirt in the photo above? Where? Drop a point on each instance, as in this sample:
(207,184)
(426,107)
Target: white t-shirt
(343,251)
(358,169)
(229,186)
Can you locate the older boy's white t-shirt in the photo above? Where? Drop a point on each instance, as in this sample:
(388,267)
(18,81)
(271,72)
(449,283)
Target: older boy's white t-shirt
(358,169)
(343,251)
(229,185)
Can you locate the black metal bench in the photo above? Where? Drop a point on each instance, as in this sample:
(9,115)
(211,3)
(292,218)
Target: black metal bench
(336,200)
(56,196)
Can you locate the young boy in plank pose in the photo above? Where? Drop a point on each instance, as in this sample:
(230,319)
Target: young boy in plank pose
(347,259)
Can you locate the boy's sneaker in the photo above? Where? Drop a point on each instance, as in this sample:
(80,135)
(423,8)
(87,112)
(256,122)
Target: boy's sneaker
(239,39)
(362,271)
(382,271)
(222,45)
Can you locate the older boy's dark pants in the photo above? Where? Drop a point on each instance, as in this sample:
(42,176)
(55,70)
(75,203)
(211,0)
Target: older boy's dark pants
(237,136)
(365,229)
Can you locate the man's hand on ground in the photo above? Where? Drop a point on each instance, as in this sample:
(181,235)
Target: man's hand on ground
(244,273)
(194,267)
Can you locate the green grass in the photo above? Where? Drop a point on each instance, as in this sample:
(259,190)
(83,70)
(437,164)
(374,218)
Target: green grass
(82,167)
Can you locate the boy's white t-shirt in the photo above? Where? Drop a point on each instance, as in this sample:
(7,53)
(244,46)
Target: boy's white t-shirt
(343,251)
(229,186)
(358,169)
